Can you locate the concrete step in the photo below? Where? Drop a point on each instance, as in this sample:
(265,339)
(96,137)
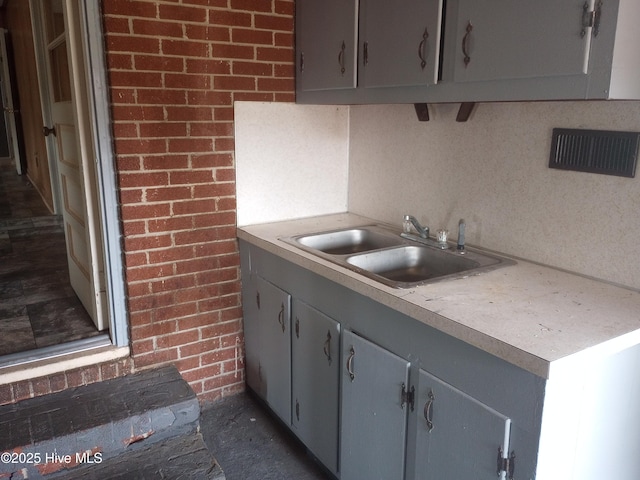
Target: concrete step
(150,418)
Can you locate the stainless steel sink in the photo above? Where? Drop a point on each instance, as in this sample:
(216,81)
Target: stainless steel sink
(381,254)
(411,264)
(346,242)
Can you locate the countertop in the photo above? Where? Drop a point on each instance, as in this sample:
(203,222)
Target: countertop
(533,316)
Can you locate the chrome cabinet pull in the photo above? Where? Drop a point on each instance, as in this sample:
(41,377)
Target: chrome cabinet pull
(365,53)
(341,58)
(327,347)
(301,62)
(281,317)
(465,44)
(352,354)
(422,49)
(428,410)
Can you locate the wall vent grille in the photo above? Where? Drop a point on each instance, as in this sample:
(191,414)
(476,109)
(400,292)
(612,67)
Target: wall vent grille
(595,151)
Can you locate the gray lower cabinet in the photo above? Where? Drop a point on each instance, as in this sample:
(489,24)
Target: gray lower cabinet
(315,362)
(456,435)
(268,344)
(373,414)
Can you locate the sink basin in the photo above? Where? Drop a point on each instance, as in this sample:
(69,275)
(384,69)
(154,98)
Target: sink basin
(381,254)
(347,242)
(411,264)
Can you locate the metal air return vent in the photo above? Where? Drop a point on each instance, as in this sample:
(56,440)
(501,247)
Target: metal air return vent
(595,151)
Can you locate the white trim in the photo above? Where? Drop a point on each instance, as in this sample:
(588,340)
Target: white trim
(70,361)
(95,62)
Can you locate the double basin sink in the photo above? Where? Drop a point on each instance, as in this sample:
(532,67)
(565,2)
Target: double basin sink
(381,254)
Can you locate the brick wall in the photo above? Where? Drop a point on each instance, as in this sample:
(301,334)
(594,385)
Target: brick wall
(175,69)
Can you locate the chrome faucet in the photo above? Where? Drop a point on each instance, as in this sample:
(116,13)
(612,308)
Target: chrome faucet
(411,220)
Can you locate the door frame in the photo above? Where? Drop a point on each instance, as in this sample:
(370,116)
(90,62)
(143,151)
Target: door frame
(95,72)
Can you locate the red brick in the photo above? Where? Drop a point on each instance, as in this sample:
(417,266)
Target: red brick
(157,358)
(170,224)
(132,212)
(171,254)
(188,114)
(162,97)
(252,68)
(190,145)
(275,54)
(159,63)
(208,66)
(251,36)
(122,43)
(176,339)
(129,8)
(162,130)
(134,112)
(276,84)
(251,5)
(226,50)
(186,48)
(192,82)
(156,28)
(182,13)
(169,193)
(208,33)
(274,22)
(225,17)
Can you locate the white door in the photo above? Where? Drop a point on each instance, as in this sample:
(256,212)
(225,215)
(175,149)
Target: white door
(8,103)
(64,94)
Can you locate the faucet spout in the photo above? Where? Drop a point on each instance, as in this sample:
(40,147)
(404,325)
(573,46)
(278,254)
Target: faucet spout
(411,220)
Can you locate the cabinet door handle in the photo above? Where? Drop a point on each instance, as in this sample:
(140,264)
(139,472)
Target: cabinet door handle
(365,53)
(352,354)
(281,317)
(341,58)
(465,44)
(428,410)
(297,410)
(422,49)
(297,327)
(301,62)
(327,347)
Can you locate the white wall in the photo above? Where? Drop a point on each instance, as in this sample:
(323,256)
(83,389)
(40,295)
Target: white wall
(291,161)
(492,171)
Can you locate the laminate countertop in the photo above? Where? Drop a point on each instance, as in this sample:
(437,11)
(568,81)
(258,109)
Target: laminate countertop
(533,316)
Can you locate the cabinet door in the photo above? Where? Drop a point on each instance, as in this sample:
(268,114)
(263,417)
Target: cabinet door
(315,362)
(251,324)
(326,36)
(511,39)
(373,415)
(457,436)
(399,42)
(274,348)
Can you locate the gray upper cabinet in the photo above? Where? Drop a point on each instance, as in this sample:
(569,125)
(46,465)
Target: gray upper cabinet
(399,42)
(507,39)
(420,51)
(326,38)
(315,362)
(373,414)
(457,436)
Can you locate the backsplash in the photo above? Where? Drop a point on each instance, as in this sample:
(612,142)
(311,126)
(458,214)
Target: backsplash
(300,160)
(492,171)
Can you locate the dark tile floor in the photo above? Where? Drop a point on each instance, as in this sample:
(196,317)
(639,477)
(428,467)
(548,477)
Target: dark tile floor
(38,307)
(250,445)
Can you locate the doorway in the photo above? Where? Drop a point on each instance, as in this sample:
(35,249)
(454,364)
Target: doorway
(77,248)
